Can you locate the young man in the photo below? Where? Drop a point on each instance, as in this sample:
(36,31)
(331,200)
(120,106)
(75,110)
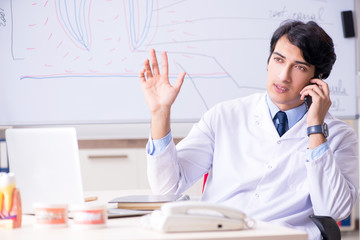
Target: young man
(267,154)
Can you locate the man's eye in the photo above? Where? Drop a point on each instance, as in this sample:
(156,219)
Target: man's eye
(277,59)
(301,68)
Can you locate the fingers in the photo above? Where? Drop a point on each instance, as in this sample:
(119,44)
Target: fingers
(319,87)
(322,85)
(147,69)
(142,75)
(179,80)
(320,98)
(153,70)
(315,91)
(164,64)
(154,62)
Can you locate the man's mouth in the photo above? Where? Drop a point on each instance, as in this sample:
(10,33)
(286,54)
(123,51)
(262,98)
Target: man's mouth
(280,88)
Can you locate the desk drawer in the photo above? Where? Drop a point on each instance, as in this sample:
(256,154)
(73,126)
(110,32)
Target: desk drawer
(113,169)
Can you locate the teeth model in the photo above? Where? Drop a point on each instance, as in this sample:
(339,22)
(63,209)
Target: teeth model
(7,186)
(10,202)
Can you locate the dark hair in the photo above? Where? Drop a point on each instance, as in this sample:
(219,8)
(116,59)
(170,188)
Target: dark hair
(315,44)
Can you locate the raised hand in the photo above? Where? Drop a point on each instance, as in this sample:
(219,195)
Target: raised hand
(159,93)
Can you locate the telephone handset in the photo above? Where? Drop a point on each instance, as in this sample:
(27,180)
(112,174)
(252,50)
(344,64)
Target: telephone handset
(192,216)
(308,99)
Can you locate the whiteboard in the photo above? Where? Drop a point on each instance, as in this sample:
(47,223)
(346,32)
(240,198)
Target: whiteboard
(75,62)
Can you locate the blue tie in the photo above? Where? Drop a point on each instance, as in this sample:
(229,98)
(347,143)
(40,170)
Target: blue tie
(281,128)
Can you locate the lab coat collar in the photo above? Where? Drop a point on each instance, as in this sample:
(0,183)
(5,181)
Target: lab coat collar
(262,116)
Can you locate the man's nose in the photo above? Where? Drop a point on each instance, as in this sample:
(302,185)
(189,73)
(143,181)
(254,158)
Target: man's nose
(285,74)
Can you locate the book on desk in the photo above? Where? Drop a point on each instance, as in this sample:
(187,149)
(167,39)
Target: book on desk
(146,202)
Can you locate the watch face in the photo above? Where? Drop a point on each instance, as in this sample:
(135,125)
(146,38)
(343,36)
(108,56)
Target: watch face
(325,130)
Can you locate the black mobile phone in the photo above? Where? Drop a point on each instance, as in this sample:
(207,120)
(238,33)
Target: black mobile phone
(308,99)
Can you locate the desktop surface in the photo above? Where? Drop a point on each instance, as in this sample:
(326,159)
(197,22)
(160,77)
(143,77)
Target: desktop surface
(132,228)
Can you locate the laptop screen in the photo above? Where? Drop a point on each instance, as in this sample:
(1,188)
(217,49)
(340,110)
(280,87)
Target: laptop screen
(46,165)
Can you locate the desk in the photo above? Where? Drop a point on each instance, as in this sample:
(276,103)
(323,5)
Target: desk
(131,228)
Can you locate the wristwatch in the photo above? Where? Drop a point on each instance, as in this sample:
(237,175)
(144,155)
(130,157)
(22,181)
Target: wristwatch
(323,128)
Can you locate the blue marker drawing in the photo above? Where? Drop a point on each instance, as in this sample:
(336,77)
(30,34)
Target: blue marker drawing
(140,18)
(73,15)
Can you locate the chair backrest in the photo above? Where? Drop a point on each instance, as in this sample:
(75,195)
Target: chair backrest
(328,227)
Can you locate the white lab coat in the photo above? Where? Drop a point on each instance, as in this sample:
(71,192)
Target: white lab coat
(253,169)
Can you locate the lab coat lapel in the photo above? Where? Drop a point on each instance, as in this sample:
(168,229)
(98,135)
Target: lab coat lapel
(262,118)
(298,130)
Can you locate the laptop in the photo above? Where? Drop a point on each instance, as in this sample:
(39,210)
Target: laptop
(46,165)
(47,168)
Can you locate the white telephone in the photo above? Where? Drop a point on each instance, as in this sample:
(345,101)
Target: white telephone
(189,216)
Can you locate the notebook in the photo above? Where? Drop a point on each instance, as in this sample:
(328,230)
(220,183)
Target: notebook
(46,165)
(146,202)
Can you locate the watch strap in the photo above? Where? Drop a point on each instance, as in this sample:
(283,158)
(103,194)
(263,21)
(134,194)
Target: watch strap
(323,129)
(314,129)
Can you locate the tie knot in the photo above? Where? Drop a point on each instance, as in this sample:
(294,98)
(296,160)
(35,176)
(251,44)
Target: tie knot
(281,116)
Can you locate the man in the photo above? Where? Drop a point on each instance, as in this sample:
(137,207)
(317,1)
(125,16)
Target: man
(267,154)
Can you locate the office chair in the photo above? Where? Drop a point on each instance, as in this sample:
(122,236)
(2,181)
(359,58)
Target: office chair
(327,226)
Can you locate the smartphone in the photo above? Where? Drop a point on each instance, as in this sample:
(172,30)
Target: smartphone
(308,99)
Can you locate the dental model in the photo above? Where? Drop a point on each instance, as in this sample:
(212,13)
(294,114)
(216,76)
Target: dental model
(10,202)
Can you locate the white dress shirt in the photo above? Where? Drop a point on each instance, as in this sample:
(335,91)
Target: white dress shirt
(253,169)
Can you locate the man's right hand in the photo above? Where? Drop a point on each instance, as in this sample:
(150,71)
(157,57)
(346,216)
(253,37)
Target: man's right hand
(159,93)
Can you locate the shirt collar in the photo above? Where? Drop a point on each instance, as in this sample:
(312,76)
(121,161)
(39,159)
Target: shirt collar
(293,115)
